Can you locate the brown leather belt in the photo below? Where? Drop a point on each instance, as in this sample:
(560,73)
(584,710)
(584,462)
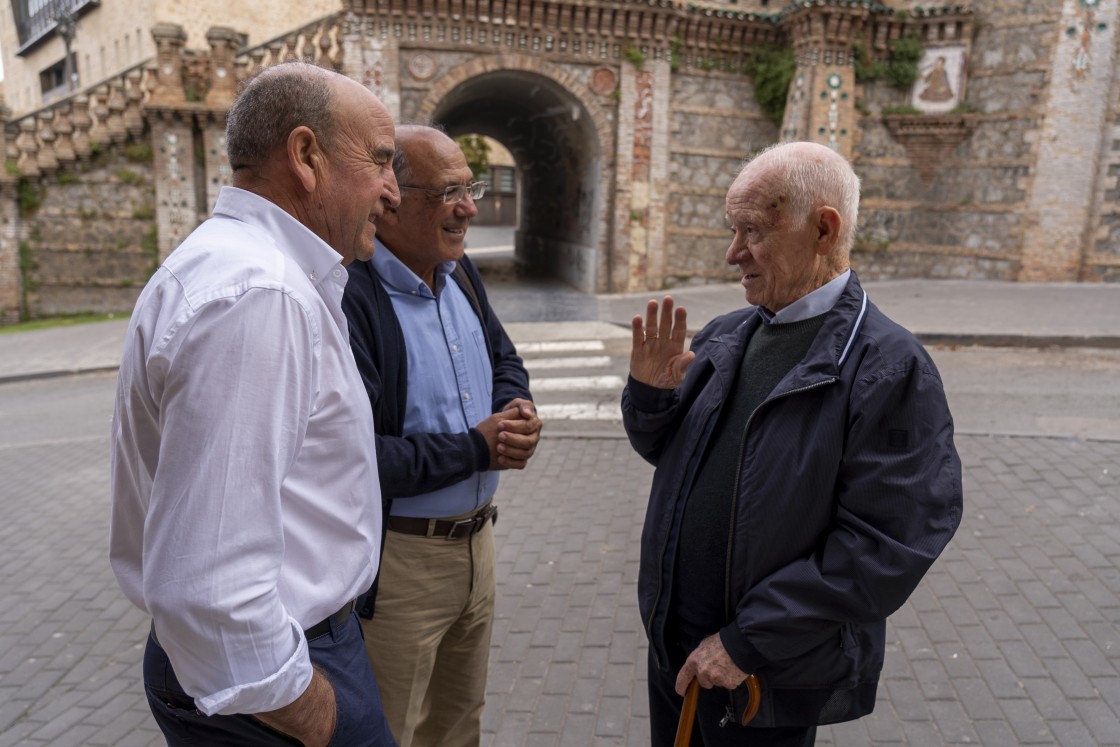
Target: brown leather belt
(444,528)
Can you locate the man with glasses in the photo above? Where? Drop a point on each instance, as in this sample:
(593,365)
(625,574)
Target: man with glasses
(451,407)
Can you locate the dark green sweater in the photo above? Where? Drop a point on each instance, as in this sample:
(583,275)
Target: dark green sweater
(700,574)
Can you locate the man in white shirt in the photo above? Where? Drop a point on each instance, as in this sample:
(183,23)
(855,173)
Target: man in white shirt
(242,472)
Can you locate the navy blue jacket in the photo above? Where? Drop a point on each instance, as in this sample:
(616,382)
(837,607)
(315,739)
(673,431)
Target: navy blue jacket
(848,488)
(421,462)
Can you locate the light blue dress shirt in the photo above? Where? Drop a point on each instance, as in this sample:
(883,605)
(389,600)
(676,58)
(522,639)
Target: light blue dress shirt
(450,378)
(811,304)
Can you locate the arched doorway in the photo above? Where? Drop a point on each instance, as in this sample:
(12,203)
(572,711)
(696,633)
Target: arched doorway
(558,145)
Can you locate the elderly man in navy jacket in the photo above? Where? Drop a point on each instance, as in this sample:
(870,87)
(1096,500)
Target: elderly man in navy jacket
(451,407)
(806,475)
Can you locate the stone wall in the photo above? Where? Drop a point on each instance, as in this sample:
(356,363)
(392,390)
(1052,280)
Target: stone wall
(954,210)
(91,239)
(715,123)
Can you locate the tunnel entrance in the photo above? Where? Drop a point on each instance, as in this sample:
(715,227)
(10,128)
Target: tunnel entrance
(556,146)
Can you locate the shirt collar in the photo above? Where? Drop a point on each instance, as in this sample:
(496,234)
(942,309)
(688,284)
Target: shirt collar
(397,274)
(313,255)
(811,304)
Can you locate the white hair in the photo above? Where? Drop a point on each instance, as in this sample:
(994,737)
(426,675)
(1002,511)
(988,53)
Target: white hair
(816,176)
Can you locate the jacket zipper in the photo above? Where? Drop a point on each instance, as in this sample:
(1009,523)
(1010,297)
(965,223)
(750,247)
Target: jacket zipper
(727,609)
(661,576)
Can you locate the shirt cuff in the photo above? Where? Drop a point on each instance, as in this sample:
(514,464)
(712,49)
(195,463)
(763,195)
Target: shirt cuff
(745,656)
(275,691)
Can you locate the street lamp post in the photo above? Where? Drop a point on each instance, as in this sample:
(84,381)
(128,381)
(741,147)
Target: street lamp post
(66,26)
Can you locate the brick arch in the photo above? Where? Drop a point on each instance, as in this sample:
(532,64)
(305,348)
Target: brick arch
(575,246)
(525,63)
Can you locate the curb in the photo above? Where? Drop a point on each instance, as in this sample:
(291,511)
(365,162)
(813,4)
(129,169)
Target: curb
(55,374)
(1019,341)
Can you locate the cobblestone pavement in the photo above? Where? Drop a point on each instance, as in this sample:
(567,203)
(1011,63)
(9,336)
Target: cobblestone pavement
(1013,638)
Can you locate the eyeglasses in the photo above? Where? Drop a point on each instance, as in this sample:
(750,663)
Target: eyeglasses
(454,193)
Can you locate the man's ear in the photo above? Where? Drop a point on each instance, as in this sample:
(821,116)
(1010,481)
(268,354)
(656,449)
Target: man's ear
(828,229)
(305,157)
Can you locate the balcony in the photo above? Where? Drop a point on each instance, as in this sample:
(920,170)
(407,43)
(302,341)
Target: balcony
(36,19)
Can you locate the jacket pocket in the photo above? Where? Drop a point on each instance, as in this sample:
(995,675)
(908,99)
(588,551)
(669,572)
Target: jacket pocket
(831,664)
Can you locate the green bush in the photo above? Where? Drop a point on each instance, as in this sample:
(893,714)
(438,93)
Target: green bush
(636,56)
(29,197)
(138,152)
(772,68)
(899,70)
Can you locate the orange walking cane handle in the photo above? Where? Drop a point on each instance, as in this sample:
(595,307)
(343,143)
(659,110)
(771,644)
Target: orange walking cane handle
(754,691)
(688,714)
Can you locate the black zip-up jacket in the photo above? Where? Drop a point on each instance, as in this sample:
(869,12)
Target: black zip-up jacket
(847,488)
(421,462)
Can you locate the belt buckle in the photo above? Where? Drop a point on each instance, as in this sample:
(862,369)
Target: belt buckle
(476,522)
(453,533)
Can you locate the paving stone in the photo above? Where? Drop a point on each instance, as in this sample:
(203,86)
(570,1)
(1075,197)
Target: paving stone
(1022,658)
(614,712)
(1092,660)
(549,714)
(1010,639)
(1100,718)
(1073,733)
(1026,722)
(977,699)
(952,722)
(560,679)
(999,732)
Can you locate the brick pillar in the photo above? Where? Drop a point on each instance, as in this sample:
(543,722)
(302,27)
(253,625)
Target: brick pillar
(169,39)
(822,102)
(215,160)
(1061,195)
(223,77)
(619,266)
(11,280)
(173,152)
(638,245)
(373,61)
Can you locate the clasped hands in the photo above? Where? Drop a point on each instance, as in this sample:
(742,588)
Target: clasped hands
(512,434)
(658,357)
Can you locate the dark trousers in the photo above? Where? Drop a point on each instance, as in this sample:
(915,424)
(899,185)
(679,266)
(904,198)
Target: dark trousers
(340,655)
(665,712)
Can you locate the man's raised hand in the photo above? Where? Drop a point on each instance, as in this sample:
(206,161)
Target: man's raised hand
(657,356)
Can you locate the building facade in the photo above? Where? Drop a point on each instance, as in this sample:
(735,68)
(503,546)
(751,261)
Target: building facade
(984,133)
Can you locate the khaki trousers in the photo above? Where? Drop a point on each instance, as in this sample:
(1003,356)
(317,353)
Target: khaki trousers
(429,639)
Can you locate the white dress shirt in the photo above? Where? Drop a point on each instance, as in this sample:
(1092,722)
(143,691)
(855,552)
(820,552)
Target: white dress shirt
(246,502)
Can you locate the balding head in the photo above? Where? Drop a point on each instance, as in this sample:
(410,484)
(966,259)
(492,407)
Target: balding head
(274,102)
(319,145)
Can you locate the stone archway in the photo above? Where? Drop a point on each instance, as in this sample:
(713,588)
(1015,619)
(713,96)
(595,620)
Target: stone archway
(562,140)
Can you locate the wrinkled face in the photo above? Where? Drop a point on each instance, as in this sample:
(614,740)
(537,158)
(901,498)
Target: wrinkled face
(775,251)
(358,184)
(424,232)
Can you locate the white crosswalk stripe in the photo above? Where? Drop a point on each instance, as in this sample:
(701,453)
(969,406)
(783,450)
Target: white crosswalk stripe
(591,397)
(577,383)
(584,411)
(561,346)
(542,364)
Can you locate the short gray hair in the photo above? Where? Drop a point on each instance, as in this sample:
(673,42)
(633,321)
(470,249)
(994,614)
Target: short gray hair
(274,102)
(821,177)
